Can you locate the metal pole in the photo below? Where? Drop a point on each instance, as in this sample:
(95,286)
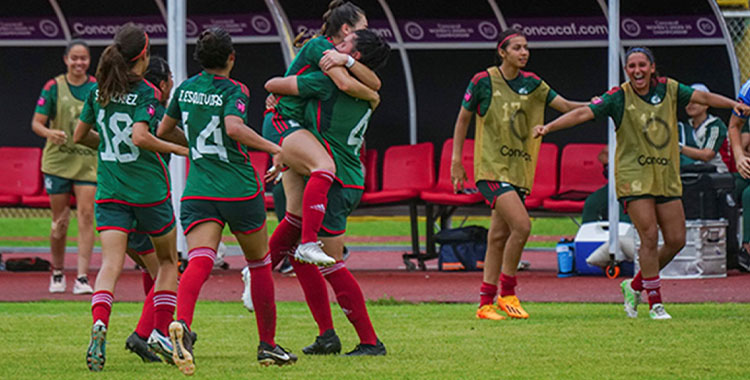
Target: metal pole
(614,80)
(176,46)
(410,92)
(286,35)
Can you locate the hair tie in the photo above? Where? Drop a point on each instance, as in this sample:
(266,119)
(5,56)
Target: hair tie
(640,50)
(143,52)
(507,38)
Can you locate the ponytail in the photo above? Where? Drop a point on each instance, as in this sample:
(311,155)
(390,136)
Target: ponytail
(339,12)
(113,74)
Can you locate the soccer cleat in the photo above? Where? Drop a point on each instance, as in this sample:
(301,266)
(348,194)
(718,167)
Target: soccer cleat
(138,346)
(489,312)
(268,355)
(286,267)
(95,354)
(182,341)
(631,298)
(377,349)
(312,253)
(57,283)
(657,312)
(512,306)
(161,345)
(81,286)
(325,344)
(247,297)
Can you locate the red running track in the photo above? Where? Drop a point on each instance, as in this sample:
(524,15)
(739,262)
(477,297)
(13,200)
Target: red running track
(382,275)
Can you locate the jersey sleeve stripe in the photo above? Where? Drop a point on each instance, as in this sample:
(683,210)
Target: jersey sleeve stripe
(478,76)
(49,84)
(157,92)
(303,69)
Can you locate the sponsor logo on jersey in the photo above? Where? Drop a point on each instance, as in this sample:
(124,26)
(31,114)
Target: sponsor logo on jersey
(467,96)
(649,160)
(240,104)
(151,110)
(513,152)
(200,98)
(41,101)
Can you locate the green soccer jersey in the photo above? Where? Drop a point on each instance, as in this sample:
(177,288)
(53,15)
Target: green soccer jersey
(478,95)
(339,121)
(159,112)
(220,167)
(47,102)
(126,173)
(292,107)
(612,103)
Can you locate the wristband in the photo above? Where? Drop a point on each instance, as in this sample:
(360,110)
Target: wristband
(349,61)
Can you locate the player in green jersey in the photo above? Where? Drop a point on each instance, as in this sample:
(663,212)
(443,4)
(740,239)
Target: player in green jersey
(68,168)
(339,121)
(302,153)
(507,102)
(702,135)
(222,188)
(133,181)
(647,172)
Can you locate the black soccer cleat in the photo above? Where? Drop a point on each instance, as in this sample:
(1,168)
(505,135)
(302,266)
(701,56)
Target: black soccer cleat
(326,344)
(377,349)
(268,355)
(138,346)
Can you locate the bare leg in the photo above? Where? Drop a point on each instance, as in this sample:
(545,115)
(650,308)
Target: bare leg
(114,244)
(671,218)
(513,212)
(166,254)
(59,204)
(643,214)
(496,238)
(85,213)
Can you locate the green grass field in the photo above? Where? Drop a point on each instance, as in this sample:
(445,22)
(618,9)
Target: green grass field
(34,232)
(48,340)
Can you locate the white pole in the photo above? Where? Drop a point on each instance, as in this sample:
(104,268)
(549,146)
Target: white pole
(614,80)
(176,46)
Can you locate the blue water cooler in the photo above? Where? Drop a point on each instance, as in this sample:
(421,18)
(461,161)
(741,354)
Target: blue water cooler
(565,258)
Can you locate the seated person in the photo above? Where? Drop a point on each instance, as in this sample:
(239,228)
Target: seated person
(701,136)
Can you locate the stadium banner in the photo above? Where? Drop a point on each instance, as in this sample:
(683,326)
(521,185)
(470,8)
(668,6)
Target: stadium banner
(241,25)
(30,28)
(308,28)
(430,31)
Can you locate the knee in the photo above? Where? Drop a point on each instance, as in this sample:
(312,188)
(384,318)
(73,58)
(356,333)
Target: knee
(522,229)
(649,236)
(59,225)
(85,216)
(674,242)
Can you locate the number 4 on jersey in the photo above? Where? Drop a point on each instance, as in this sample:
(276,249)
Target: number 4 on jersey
(202,146)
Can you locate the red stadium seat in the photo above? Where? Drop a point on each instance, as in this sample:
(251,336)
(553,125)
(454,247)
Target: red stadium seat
(545,177)
(407,170)
(9,200)
(580,175)
(370,163)
(20,170)
(442,193)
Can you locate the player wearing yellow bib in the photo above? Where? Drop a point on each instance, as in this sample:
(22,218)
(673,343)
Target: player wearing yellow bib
(508,103)
(647,159)
(133,181)
(68,167)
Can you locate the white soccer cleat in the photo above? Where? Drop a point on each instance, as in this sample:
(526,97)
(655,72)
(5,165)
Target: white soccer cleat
(221,252)
(57,283)
(247,298)
(81,286)
(631,298)
(312,253)
(658,312)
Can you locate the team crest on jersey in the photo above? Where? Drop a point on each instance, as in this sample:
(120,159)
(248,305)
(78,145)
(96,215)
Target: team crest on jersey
(655,99)
(240,104)
(41,101)
(151,110)
(523,91)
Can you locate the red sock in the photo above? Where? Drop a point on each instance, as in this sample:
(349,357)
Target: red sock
(637,283)
(652,286)
(200,263)
(101,306)
(351,300)
(146,321)
(165,302)
(147,281)
(487,293)
(314,201)
(316,294)
(507,285)
(284,238)
(262,291)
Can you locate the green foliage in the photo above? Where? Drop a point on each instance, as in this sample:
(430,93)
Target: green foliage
(47,340)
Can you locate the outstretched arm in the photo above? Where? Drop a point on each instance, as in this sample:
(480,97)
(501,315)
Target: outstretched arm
(564,105)
(575,117)
(283,85)
(719,101)
(142,138)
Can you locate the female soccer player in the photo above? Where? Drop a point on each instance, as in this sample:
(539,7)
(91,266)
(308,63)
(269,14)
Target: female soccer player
(140,249)
(339,121)
(508,102)
(68,167)
(647,171)
(301,151)
(221,187)
(133,182)
(702,136)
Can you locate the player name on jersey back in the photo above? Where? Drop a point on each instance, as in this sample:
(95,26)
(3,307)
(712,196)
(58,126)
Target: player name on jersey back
(200,98)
